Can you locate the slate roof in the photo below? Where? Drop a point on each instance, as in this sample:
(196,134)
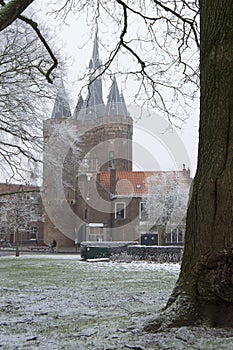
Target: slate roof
(61,107)
(95,61)
(116,103)
(79,106)
(93,107)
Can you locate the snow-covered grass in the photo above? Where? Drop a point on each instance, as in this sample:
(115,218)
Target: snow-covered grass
(59,302)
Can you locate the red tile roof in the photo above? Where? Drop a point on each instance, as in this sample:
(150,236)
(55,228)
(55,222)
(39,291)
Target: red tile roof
(133,183)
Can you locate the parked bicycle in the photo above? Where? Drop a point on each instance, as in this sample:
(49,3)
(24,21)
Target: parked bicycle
(53,246)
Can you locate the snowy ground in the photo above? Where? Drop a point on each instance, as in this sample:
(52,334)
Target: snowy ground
(59,302)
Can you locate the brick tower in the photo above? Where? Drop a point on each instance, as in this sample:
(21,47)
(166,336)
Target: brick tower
(103,135)
(54,198)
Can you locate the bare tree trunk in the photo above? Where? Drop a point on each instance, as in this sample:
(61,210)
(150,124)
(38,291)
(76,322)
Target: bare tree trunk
(17,242)
(204,291)
(162,235)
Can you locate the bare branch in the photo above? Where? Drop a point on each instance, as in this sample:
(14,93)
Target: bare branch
(183,19)
(24,96)
(34,25)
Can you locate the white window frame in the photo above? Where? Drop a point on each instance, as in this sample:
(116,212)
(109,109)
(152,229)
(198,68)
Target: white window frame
(33,233)
(96,232)
(175,232)
(116,211)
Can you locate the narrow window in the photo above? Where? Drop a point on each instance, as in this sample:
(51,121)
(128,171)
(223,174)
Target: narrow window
(120,211)
(143,212)
(85,214)
(111,158)
(168,237)
(174,235)
(180,236)
(33,233)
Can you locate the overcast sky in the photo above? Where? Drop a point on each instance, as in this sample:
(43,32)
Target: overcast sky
(74,40)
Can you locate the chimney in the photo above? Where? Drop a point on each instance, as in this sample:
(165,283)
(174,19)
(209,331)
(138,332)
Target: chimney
(113,181)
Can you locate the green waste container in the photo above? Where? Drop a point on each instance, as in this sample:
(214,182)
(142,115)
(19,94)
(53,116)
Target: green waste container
(149,239)
(97,252)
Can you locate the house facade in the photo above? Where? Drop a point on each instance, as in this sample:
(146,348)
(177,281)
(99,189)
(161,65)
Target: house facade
(115,206)
(21,215)
(97,196)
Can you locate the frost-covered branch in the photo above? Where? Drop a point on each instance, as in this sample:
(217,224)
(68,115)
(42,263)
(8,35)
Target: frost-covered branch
(166,201)
(24,97)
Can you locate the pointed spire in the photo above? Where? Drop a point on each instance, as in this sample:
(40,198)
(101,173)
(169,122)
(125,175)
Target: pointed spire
(93,107)
(95,61)
(79,106)
(125,112)
(61,107)
(116,103)
(114,95)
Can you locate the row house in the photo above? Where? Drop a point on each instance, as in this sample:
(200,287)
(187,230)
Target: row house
(21,215)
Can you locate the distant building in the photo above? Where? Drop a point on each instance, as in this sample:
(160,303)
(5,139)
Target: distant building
(98,182)
(21,211)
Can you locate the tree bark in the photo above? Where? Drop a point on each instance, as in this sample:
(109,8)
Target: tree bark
(162,235)
(11,10)
(204,290)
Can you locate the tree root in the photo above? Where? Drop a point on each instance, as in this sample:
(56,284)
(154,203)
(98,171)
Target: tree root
(213,313)
(180,313)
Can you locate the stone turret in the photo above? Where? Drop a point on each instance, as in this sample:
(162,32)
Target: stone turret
(61,108)
(52,163)
(116,103)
